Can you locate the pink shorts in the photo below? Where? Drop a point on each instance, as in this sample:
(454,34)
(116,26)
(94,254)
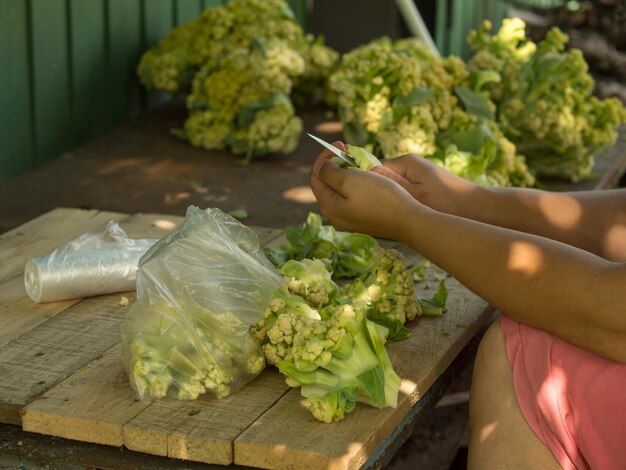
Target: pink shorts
(574,401)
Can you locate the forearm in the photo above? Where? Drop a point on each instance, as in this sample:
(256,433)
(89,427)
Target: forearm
(569,292)
(593,221)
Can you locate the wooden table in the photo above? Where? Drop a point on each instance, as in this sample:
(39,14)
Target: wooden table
(61,372)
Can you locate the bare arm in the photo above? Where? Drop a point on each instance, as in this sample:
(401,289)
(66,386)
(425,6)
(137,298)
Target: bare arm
(594,221)
(569,292)
(572,293)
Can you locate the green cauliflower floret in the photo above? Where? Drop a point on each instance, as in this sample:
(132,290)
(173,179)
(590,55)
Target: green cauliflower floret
(339,361)
(215,34)
(149,373)
(386,293)
(242,103)
(320,62)
(329,406)
(218,353)
(171,64)
(274,128)
(277,329)
(311,280)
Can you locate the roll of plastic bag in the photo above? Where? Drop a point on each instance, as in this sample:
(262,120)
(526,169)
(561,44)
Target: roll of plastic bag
(103,261)
(199,290)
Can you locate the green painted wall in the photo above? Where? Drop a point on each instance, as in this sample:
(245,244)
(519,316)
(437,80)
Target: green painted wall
(456,18)
(67,69)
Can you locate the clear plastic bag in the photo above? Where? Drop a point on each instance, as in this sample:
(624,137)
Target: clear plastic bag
(199,290)
(102,261)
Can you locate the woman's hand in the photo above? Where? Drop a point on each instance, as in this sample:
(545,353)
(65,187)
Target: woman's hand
(429,183)
(361,201)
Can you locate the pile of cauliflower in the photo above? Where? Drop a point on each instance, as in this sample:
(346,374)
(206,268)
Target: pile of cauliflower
(516,110)
(242,66)
(396,97)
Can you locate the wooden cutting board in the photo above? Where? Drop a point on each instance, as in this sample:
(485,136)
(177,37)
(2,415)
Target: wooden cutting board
(61,372)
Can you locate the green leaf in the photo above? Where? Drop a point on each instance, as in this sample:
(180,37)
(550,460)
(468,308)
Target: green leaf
(416,97)
(474,103)
(247,114)
(258,43)
(179,134)
(397,331)
(355,134)
(373,381)
(418,272)
(484,77)
(276,256)
(240,213)
(435,306)
(386,120)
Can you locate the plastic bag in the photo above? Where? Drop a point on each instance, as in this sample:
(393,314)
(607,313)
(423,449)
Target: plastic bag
(199,290)
(102,261)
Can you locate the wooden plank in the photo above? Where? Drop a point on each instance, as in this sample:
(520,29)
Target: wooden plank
(288,434)
(16,134)
(89,69)
(187,10)
(91,405)
(47,354)
(42,235)
(203,430)
(124,49)
(51,78)
(18,313)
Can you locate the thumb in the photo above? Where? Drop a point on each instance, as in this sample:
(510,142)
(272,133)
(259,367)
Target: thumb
(329,173)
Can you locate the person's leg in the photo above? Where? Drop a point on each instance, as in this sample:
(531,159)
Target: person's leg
(499,436)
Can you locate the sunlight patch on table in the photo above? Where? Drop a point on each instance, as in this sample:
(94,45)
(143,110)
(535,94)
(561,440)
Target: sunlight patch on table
(164,224)
(329,127)
(407,387)
(300,194)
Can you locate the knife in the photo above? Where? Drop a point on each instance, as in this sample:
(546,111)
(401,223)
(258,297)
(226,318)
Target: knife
(344,156)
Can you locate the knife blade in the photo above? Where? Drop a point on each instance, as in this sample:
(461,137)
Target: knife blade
(346,157)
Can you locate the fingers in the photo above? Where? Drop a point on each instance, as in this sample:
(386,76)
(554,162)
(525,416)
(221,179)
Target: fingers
(392,175)
(340,145)
(406,165)
(328,154)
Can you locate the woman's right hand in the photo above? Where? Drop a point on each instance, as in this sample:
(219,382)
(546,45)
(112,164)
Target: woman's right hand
(429,183)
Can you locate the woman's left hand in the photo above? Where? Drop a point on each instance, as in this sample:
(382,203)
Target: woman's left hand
(361,201)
